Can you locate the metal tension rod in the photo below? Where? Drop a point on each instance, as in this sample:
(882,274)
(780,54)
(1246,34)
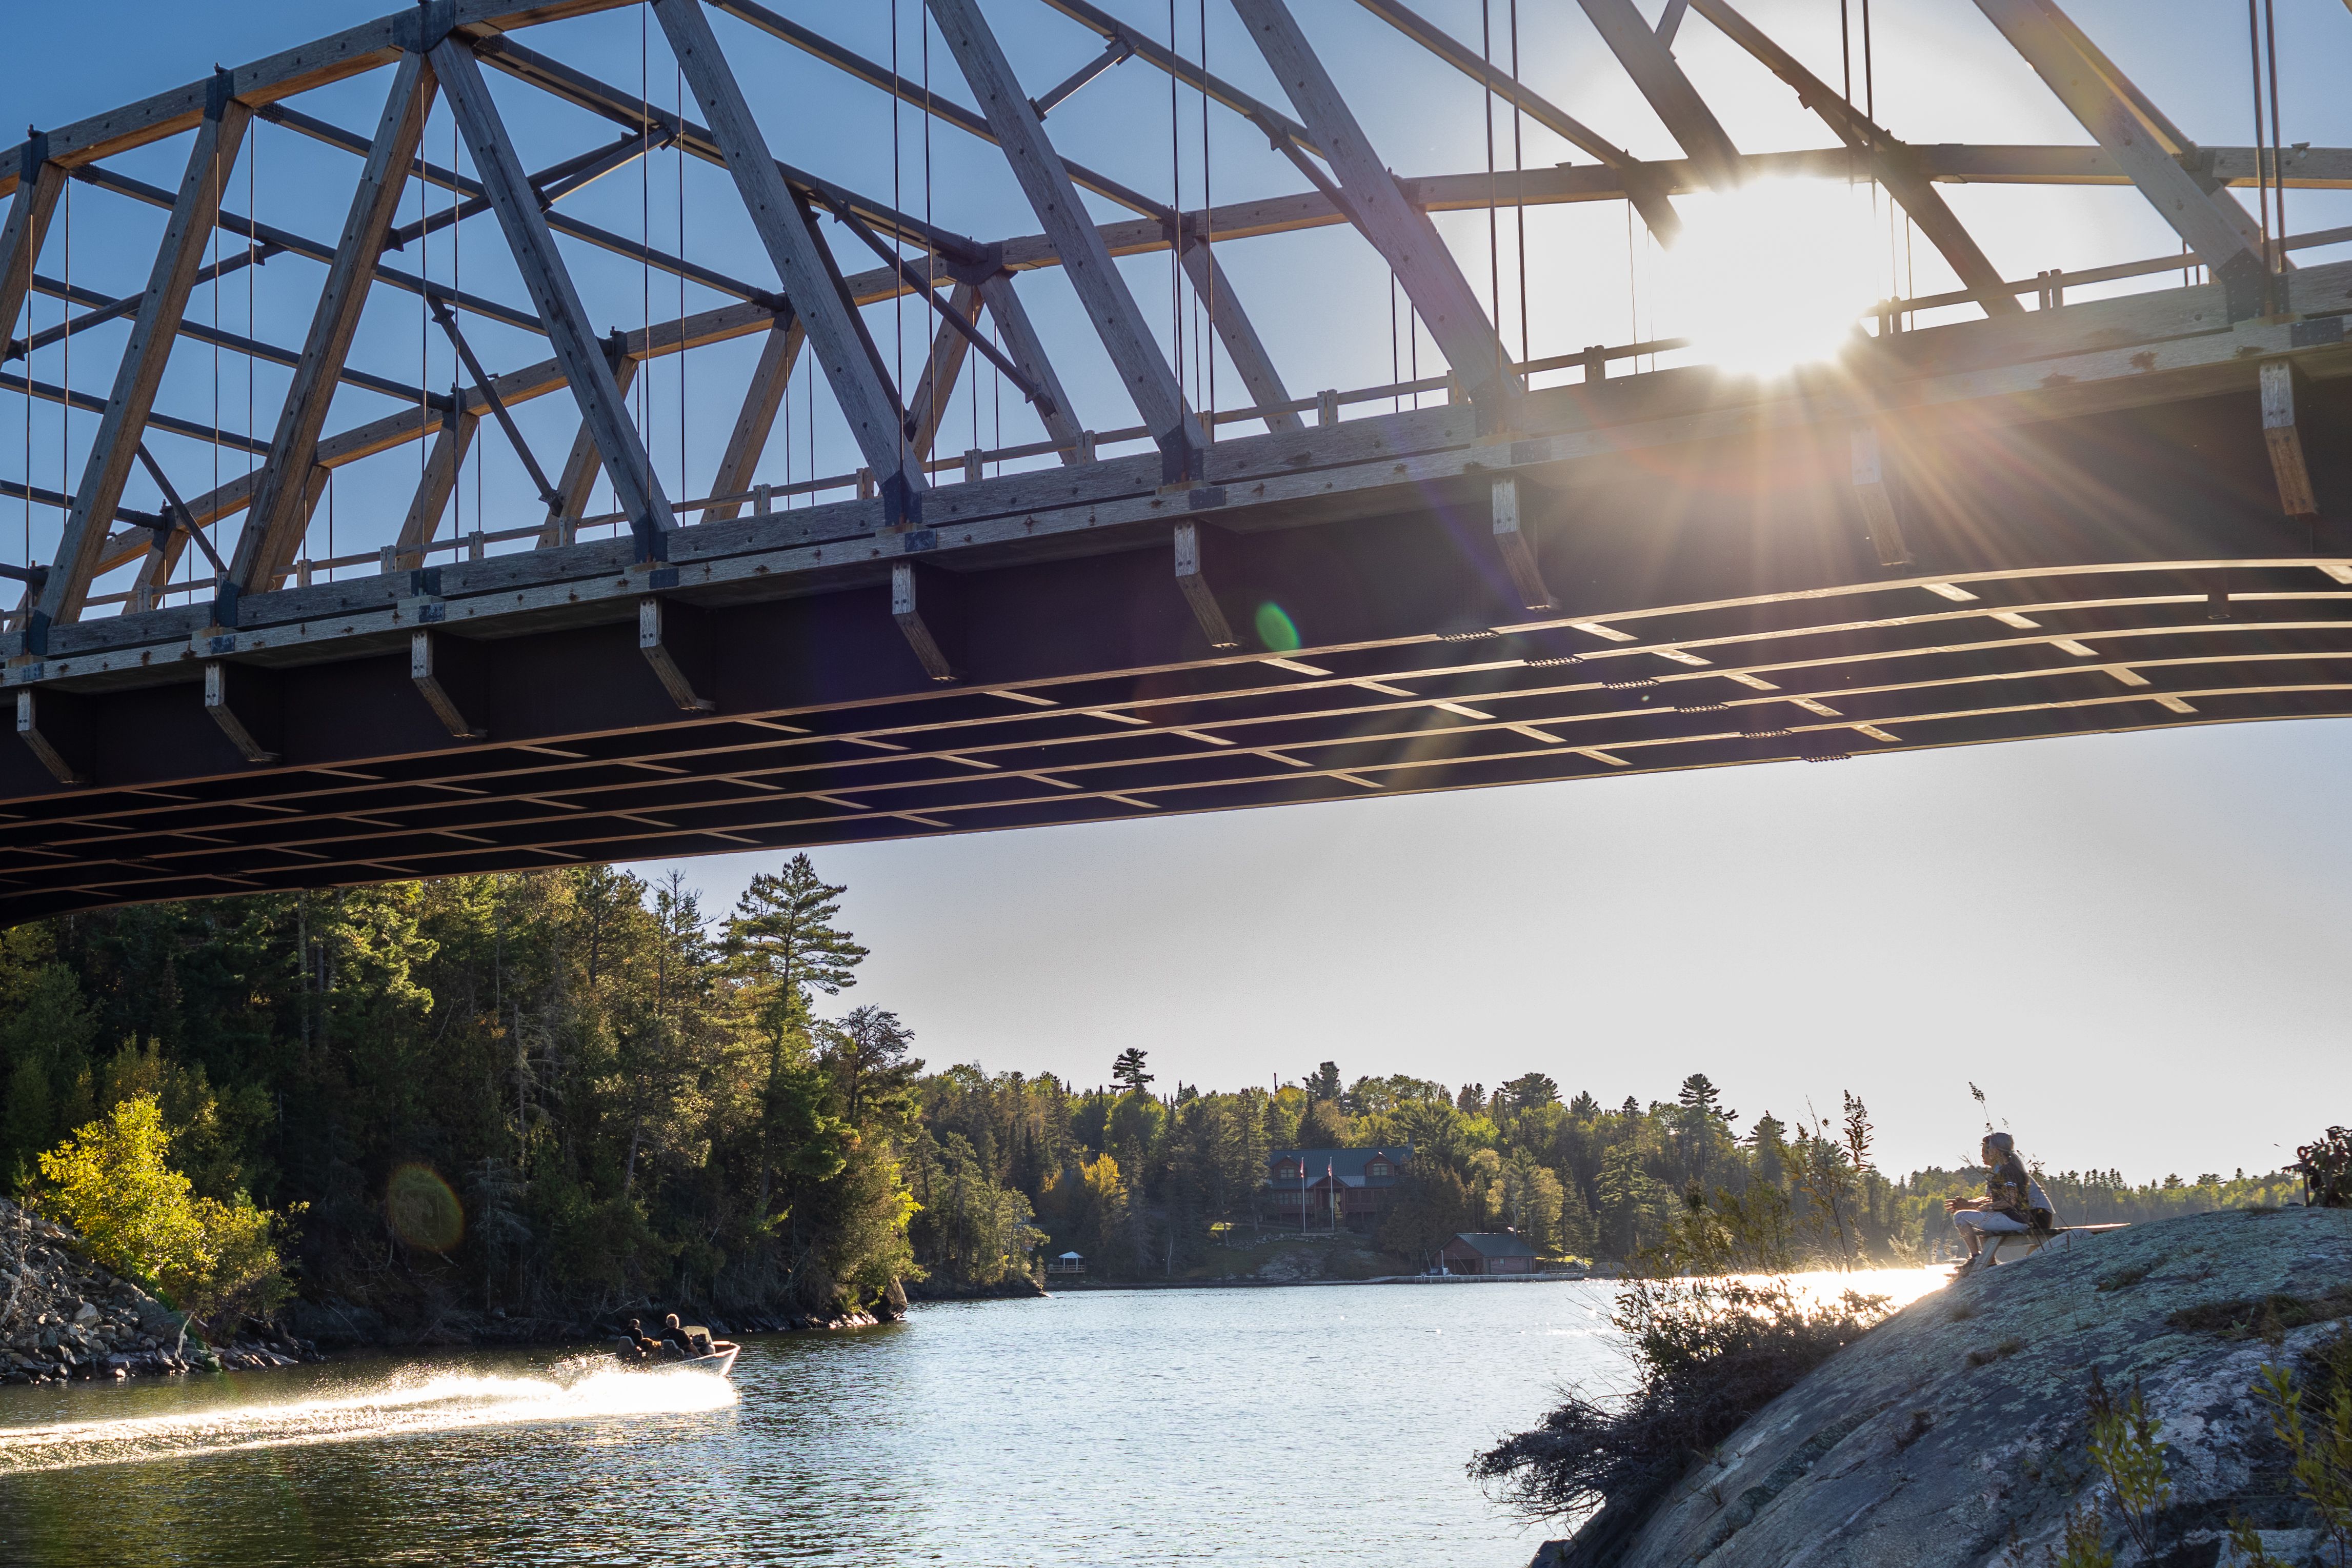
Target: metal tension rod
(929,292)
(483,384)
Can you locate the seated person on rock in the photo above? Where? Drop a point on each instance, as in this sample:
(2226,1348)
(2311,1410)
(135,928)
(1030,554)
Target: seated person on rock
(2011,1196)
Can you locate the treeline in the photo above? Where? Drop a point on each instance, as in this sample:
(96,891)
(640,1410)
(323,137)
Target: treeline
(555,1093)
(535,1095)
(1149,1184)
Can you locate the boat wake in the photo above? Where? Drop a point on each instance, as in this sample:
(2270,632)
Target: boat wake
(588,1388)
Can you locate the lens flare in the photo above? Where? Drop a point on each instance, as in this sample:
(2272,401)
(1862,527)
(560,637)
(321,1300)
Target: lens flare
(1773,275)
(422,1209)
(1274,628)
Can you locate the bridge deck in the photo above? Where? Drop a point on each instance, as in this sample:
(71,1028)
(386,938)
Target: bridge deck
(2088,497)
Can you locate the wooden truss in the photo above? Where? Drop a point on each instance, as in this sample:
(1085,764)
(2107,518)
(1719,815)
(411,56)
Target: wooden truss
(908,497)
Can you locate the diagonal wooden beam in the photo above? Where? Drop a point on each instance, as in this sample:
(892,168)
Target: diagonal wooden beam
(433,488)
(274,522)
(1642,186)
(1028,352)
(581,466)
(1235,330)
(115,446)
(779,351)
(557,301)
(1045,181)
(1659,78)
(941,366)
(2038,30)
(1892,159)
(1402,232)
(809,279)
(27,225)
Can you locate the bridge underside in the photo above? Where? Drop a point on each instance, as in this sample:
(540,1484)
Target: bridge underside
(2075,524)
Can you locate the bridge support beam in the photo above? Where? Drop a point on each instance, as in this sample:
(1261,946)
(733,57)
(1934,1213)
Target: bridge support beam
(1877,501)
(56,728)
(440,671)
(676,643)
(243,702)
(1517,551)
(2283,433)
(1196,543)
(922,603)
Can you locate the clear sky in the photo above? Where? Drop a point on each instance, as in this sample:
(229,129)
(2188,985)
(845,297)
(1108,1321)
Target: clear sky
(2137,945)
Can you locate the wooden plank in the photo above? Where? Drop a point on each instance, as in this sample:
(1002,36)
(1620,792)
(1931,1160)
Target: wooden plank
(557,301)
(277,518)
(1045,181)
(1892,159)
(2037,30)
(761,399)
(115,446)
(1028,352)
(27,225)
(1259,375)
(433,488)
(941,365)
(1659,78)
(1399,230)
(867,401)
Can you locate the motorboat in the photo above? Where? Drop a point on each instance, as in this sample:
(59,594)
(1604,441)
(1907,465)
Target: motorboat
(719,1360)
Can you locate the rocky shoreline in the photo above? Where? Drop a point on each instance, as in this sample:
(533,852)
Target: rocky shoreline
(65,1319)
(1954,1434)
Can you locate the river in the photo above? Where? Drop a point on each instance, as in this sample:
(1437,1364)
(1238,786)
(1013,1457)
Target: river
(1312,1426)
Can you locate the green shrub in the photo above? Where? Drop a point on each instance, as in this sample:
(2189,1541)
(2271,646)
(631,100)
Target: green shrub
(112,1181)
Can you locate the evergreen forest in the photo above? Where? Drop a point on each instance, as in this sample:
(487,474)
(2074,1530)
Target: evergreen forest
(553,1094)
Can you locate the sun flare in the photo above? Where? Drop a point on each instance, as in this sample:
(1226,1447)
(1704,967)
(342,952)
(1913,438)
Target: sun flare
(1775,274)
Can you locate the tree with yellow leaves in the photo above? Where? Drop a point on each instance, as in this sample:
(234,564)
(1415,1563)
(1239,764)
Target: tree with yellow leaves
(113,1183)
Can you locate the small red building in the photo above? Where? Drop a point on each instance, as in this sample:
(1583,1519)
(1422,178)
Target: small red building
(1489,1252)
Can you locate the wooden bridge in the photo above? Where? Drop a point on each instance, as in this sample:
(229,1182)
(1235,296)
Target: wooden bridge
(1979,522)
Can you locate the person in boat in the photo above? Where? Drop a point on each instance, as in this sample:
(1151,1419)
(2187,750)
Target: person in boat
(688,1349)
(2014,1203)
(638,1342)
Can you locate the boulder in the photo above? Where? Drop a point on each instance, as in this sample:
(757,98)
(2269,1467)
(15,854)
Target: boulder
(1953,1435)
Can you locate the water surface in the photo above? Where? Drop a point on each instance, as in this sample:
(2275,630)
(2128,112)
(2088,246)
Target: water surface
(1322,1426)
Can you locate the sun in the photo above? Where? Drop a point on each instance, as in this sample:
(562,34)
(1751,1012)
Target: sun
(1773,275)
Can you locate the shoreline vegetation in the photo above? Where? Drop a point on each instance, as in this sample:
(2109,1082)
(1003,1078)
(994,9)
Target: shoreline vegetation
(499,1108)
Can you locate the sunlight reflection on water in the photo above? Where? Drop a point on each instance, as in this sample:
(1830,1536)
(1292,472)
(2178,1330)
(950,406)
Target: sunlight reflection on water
(585,1388)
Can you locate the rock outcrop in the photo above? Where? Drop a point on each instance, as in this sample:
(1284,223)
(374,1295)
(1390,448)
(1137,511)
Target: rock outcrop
(63,1317)
(1953,1435)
